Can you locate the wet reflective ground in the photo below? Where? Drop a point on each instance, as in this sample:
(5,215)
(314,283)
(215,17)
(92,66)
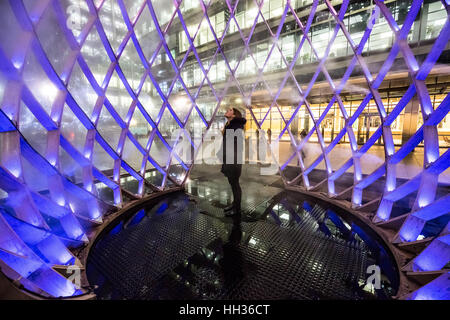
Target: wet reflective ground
(284,246)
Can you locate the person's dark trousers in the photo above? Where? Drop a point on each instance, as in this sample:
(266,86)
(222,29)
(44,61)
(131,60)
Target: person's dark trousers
(233,179)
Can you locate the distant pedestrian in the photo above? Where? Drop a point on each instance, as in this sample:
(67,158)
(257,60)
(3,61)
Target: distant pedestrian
(257,145)
(303,135)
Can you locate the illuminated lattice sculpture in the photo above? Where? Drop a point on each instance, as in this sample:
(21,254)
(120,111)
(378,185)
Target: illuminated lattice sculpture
(87,110)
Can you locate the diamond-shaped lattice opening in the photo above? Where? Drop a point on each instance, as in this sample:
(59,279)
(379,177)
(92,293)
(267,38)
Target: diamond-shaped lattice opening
(168,127)
(218,20)
(81,91)
(113,24)
(118,96)
(163,71)
(108,128)
(251,17)
(189,7)
(403,205)
(131,65)
(132,155)
(356,24)
(32,130)
(176,171)
(159,151)
(146,33)
(372,160)
(260,93)
(206,102)
(274,61)
(247,67)
(434,227)
(340,47)
(9,39)
(184,148)
(154,177)
(218,72)
(303,53)
(148,190)
(408,165)
(199,30)
(196,127)
(164,12)
(234,46)
(436,20)
(33,10)
(34,178)
(287,47)
(102,160)
(318,173)
(43,90)
(312,150)
(140,127)
(132,8)
(95,55)
(187,74)
(179,101)
(73,130)
(289,94)
(70,168)
(340,153)
(105,193)
(54,42)
(232,94)
(368,123)
(128,182)
(346,179)
(178,42)
(76,17)
(150,99)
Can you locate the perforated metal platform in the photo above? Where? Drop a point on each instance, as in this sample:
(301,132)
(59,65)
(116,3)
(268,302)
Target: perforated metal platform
(174,251)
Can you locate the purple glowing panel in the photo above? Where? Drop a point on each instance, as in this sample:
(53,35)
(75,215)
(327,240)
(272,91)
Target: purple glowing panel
(435,290)
(435,256)
(92,94)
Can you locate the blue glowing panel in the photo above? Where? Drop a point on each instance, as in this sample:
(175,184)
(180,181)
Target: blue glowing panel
(435,290)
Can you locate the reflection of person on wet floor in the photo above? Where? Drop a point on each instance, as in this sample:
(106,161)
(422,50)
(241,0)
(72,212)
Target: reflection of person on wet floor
(232,262)
(232,165)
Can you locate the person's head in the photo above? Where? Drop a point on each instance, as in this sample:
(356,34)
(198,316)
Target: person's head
(233,113)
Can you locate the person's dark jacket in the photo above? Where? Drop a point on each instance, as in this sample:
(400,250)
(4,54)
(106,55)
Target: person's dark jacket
(234,124)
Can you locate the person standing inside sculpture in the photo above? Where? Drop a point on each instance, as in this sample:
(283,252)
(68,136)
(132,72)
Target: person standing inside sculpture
(303,134)
(232,157)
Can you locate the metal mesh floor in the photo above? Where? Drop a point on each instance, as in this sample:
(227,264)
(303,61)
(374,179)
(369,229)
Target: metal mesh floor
(174,251)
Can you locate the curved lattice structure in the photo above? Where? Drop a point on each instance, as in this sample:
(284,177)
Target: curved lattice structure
(92,90)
